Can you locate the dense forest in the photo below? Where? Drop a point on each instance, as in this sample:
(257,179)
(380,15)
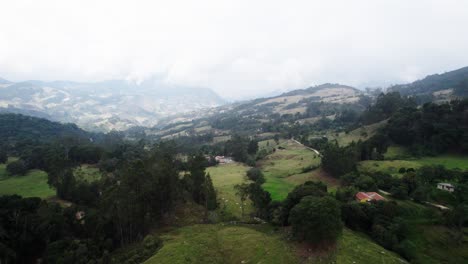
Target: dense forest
(139,188)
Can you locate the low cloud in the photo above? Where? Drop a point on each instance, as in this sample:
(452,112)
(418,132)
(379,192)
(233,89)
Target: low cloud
(237,47)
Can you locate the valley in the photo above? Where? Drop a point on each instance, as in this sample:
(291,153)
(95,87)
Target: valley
(271,180)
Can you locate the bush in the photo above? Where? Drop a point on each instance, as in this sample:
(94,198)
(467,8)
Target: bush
(256,175)
(17,168)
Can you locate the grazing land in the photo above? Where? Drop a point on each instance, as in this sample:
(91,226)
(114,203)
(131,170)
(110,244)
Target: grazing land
(362,133)
(225,177)
(222,244)
(33,184)
(354,247)
(391,166)
(287,162)
(387,166)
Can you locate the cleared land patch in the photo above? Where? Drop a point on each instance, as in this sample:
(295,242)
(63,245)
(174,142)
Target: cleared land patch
(358,248)
(225,177)
(289,159)
(362,133)
(222,244)
(315,175)
(449,161)
(33,184)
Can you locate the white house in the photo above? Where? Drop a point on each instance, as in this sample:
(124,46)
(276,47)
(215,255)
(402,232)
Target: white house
(446,186)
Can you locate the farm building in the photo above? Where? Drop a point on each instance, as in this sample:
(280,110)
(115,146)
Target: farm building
(368,197)
(446,187)
(223,159)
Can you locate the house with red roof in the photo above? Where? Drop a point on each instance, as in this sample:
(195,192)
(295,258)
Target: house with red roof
(368,197)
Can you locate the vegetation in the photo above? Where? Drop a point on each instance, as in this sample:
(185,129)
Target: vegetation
(355,247)
(299,163)
(287,161)
(33,184)
(316,219)
(222,244)
(225,177)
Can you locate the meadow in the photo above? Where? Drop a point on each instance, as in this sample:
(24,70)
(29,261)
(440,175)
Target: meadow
(361,133)
(33,184)
(283,169)
(354,247)
(398,157)
(225,177)
(222,244)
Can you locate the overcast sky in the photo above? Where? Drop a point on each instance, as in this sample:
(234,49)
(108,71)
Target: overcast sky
(237,48)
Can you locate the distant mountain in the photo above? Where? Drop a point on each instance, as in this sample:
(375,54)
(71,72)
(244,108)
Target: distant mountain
(443,86)
(106,105)
(302,106)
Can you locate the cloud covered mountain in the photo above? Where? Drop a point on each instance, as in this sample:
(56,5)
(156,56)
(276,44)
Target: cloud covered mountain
(107,105)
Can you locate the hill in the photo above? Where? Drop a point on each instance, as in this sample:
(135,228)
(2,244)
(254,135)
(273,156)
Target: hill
(106,105)
(264,115)
(443,86)
(15,128)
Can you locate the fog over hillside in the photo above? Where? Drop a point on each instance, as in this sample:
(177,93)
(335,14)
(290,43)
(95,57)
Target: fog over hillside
(107,105)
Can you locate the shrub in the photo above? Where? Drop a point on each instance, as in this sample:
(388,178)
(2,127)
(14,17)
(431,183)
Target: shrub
(17,168)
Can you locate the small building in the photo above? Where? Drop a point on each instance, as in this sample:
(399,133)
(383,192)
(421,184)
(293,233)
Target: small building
(223,159)
(364,197)
(445,186)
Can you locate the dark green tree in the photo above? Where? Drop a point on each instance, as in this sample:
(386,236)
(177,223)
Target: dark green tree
(17,168)
(316,219)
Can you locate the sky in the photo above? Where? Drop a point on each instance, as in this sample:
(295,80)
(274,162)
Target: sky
(237,48)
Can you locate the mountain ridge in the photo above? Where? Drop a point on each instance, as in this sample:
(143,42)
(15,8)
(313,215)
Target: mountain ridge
(106,105)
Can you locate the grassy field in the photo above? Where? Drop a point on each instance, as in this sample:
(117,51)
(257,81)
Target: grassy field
(354,247)
(392,166)
(315,175)
(239,244)
(387,166)
(397,153)
(87,173)
(33,184)
(449,161)
(222,244)
(362,133)
(224,178)
(286,163)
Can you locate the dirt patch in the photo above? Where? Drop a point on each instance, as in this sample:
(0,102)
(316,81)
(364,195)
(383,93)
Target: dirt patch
(316,253)
(324,176)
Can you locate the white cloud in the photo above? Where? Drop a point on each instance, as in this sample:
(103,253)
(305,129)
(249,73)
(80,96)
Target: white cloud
(236,47)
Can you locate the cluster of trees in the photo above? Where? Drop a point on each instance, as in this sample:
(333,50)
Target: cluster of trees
(313,214)
(242,149)
(139,187)
(382,221)
(253,190)
(385,106)
(431,129)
